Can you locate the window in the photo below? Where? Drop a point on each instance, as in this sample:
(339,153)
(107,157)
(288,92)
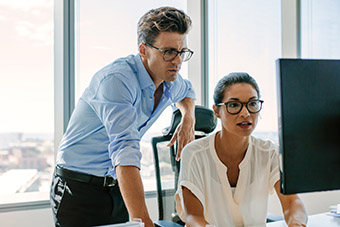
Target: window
(320,29)
(105,31)
(245,36)
(26,96)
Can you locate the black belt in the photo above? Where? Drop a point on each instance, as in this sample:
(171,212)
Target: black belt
(106,181)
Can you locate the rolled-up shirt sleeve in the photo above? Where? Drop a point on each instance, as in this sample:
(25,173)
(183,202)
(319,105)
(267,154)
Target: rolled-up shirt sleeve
(181,89)
(190,90)
(114,105)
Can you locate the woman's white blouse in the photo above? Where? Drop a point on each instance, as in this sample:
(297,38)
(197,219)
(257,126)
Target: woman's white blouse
(205,176)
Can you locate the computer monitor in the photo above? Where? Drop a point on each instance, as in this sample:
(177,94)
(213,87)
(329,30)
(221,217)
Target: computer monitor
(309,124)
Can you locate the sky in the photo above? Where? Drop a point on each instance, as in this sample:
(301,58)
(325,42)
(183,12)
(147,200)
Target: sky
(26,66)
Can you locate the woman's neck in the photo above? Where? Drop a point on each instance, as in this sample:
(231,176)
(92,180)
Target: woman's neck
(230,146)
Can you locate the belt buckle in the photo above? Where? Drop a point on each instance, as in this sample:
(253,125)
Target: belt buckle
(109,181)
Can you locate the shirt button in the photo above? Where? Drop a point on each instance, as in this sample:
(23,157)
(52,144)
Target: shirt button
(150,98)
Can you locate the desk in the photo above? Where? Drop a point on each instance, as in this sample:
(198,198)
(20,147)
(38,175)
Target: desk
(127,224)
(317,220)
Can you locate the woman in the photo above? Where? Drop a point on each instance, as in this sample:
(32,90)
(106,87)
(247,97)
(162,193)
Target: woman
(225,178)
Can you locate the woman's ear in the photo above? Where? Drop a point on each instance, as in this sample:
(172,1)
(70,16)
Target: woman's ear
(216,111)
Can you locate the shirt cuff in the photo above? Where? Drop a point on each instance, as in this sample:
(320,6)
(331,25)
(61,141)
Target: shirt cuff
(126,157)
(191,94)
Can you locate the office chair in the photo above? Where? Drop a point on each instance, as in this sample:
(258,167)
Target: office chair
(205,123)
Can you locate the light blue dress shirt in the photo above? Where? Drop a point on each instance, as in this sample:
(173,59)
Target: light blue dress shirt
(112,115)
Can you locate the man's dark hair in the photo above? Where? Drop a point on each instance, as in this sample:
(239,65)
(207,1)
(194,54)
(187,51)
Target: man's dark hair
(163,19)
(231,79)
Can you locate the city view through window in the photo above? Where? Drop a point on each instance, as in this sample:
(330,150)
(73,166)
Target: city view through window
(26,93)
(26,162)
(26,97)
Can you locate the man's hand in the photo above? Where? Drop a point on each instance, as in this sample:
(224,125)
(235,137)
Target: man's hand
(184,134)
(185,131)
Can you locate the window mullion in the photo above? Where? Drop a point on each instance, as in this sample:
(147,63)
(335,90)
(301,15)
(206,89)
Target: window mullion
(64,72)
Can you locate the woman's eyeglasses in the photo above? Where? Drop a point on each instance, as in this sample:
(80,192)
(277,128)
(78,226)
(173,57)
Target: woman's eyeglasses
(235,107)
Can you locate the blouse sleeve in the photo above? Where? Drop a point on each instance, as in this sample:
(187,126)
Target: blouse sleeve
(191,178)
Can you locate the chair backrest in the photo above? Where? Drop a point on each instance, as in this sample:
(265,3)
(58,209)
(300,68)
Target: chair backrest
(205,121)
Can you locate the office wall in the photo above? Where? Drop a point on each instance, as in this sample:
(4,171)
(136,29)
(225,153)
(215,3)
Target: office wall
(43,217)
(29,218)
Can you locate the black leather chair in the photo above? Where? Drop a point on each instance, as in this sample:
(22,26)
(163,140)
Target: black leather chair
(205,123)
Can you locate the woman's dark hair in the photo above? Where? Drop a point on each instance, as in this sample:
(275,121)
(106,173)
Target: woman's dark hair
(163,19)
(231,79)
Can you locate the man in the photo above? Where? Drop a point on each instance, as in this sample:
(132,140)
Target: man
(101,143)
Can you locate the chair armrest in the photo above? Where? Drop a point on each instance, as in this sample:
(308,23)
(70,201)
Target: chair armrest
(273,218)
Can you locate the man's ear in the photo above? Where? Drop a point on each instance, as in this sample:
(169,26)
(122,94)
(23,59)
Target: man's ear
(142,49)
(216,111)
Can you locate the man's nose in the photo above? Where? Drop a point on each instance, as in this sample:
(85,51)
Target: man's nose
(177,60)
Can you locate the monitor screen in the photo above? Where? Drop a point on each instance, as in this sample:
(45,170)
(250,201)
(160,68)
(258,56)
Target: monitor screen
(309,124)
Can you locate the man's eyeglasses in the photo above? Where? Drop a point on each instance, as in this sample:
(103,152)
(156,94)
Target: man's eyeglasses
(171,54)
(235,107)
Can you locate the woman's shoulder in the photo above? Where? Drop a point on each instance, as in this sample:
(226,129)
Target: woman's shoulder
(197,147)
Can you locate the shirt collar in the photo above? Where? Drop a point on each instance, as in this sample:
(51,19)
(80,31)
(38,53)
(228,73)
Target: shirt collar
(168,85)
(144,77)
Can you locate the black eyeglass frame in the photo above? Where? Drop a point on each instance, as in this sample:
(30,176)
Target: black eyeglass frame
(243,104)
(177,52)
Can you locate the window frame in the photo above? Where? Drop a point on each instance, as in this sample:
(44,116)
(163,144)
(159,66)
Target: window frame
(64,65)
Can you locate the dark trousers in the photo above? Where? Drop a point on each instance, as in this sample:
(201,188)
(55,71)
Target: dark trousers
(76,203)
